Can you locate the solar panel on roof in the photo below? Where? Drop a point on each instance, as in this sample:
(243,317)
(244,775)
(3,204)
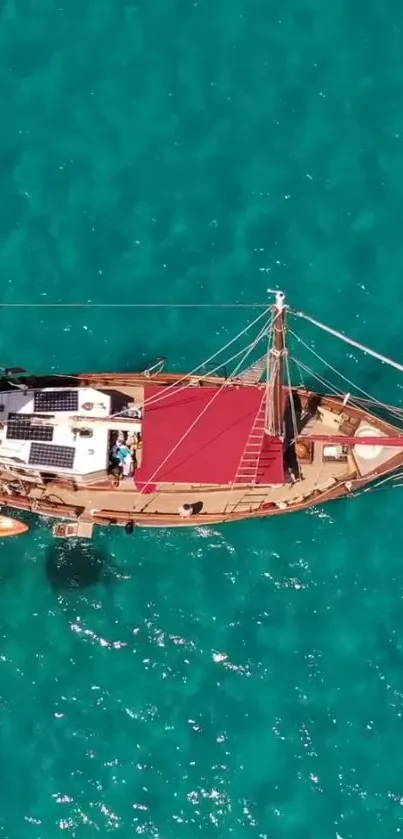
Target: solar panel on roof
(50,401)
(20,427)
(56,456)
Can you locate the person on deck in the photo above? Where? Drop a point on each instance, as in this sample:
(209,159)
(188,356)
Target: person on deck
(185,511)
(126,460)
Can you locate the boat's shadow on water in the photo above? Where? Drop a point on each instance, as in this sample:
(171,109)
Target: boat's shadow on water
(74,566)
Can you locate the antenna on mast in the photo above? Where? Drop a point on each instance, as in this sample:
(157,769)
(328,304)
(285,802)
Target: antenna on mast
(275,369)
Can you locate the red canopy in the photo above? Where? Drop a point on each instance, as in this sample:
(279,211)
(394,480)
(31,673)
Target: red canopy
(211,452)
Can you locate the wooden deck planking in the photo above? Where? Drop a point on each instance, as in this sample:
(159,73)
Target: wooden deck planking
(223,502)
(216,500)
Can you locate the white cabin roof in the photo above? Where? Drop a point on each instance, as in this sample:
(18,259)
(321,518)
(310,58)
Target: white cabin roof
(57,442)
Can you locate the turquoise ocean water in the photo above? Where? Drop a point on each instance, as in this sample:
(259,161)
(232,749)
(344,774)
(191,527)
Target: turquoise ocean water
(242,681)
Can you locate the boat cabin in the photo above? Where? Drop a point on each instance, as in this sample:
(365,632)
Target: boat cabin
(80,433)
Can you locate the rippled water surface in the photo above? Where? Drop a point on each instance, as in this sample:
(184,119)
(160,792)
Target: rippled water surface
(243,681)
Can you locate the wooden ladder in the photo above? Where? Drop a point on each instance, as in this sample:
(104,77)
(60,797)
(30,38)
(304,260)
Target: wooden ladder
(252,374)
(248,466)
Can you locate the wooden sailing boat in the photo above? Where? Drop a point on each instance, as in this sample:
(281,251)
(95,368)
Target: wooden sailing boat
(161,449)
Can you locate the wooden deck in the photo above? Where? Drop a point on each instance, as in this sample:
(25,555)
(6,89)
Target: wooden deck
(320,480)
(220,500)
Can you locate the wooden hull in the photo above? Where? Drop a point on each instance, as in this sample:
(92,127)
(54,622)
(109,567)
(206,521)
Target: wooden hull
(113,506)
(112,518)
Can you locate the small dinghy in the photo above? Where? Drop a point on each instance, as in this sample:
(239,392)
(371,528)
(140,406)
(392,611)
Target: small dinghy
(11,527)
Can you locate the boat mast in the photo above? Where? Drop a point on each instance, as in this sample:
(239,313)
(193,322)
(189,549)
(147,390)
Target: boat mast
(275,370)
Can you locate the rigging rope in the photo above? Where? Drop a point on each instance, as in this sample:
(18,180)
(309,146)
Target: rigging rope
(113,305)
(291,398)
(199,416)
(375,484)
(273,371)
(326,384)
(342,376)
(389,408)
(90,305)
(320,379)
(152,400)
(301,378)
(157,398)
(167,390)
(350,341)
